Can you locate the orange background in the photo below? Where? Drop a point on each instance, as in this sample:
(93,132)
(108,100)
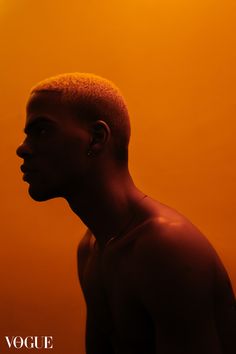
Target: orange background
(174,60)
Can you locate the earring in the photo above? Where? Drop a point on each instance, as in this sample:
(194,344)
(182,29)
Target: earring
(89,153)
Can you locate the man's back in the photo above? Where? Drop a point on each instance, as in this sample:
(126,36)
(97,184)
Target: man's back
(160,288)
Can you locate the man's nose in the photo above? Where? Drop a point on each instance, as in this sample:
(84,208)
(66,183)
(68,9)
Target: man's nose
(24,150)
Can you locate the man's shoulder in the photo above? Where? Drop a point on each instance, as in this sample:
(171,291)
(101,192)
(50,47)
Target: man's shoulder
(85,243)
(169,243)
(168,230)
(83,251)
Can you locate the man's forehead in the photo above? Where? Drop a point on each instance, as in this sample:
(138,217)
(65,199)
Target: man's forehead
(43,100)
(45,104)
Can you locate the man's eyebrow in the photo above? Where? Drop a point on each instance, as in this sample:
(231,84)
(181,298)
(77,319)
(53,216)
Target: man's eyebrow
(37,121)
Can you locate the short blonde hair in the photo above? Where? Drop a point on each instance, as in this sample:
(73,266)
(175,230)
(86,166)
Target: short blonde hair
(93,97)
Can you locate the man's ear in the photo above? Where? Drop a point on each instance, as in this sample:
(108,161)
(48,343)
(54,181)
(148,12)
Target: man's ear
(100,135)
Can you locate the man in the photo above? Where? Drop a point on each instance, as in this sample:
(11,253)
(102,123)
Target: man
(152,282)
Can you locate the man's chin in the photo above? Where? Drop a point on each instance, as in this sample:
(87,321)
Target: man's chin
(40,195)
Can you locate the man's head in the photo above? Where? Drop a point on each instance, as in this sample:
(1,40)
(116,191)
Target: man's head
(74,122)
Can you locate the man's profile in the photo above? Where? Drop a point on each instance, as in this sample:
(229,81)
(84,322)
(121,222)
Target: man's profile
(152,282)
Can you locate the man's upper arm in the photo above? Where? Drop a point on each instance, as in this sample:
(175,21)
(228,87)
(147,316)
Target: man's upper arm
(175,285)
(97,341)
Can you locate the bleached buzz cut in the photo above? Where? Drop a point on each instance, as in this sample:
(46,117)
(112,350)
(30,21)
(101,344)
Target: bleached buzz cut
(93,98)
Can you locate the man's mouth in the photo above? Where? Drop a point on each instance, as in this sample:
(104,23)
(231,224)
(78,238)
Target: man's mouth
(26,177)
(27,172)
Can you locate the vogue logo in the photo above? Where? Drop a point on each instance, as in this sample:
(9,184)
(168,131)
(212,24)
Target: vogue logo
(30,342)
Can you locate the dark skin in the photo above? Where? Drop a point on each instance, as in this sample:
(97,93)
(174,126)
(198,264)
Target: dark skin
(156,288)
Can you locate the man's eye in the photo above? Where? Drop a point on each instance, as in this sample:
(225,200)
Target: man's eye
(41,131)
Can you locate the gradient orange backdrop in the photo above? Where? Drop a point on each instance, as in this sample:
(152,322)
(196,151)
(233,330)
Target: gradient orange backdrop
(174,60)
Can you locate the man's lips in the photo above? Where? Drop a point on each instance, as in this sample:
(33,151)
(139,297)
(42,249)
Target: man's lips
(23,169)
(26,169)
(27,172)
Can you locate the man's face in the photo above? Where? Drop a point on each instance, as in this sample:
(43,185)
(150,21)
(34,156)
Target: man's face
(55,148)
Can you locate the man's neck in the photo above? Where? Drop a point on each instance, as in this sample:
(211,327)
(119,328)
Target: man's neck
(108,207)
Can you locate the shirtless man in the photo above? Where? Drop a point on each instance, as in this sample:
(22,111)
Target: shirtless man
(152,282)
